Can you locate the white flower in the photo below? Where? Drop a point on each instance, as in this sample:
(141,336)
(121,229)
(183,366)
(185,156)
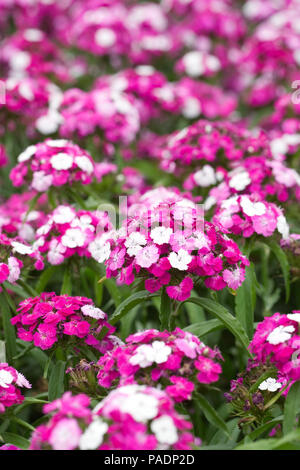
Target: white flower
(21,248)
(140,406)
(161,235)
(85,164)
(294,317)
(99,250)
(205,177)
(49,123)
(191,108)
(33,35)
(280,334)
(93,312)
(200,240)
(252,208)
(61,161)
(63,215)
(164,429)
(14,269)
(41,182)
(105,37)
(283,227)
(73,238)
(27,154)
(6,378)
(240,181)
(22,381)
(193,63)
(56,252)
(161,351)
(92,437)
(134,242)
(180,260)
(84,222)
(270,384)
(57,142)
(144,356)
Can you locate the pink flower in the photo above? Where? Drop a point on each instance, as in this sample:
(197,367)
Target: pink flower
(65,435)
(147,256)
(235,278)
(181,390)
(181,292)
(45,336)
(209,370)
(4,272)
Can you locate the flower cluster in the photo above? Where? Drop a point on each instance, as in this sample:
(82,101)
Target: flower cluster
(130,417)
(52,163)
(251,392)
(67,232)
(277,340)
(16,218)
(170,245)
(245,215)
(10,383)
(178,361)
(50,318)
(15,256)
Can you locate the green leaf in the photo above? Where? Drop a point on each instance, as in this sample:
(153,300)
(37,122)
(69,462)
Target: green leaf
(210,413)
(67,282)
(245,301)
(291,408)
(9,330)
(44,278)
(204,327)
(284,264)
(225,317)
(270,444)
(165,310)
(129,304)
(16,440)
(56,381)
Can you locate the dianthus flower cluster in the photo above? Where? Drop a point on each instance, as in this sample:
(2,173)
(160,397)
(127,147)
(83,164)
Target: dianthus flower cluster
(49,318)
(130,417)
(245,215)
(10,383)
(52,163)
(67,232)
(176,361)
(16,256)
(170,245)
(277,340)
(16,218)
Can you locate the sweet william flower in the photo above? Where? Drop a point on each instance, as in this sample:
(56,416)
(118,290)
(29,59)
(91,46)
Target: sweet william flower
(270,384)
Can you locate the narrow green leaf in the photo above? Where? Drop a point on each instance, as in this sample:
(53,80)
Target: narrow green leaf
(210,413)
(165,310)
(284,264)
(270,444)
(44,278)
(56,381)
(225,317)
(245,301)
(16,440)
(291,408)
(130,303)
(67,282)
(204,327)
(9,330)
